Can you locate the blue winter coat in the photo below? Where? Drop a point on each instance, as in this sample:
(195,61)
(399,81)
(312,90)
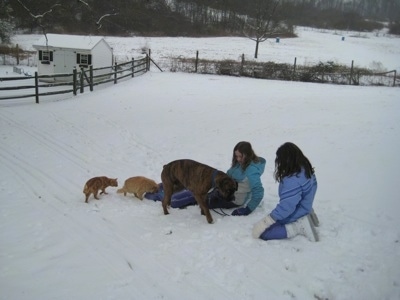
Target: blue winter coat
(296,197)
(253,174)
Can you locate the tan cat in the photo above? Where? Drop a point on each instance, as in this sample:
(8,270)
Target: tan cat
(95,184)
(139,185)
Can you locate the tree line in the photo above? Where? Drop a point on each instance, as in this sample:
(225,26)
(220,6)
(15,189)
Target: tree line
(193,17)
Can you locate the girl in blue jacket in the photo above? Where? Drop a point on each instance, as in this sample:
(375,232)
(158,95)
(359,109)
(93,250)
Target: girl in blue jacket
(297,188)
(247,169)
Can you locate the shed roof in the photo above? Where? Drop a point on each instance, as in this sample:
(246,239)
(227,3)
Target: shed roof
(84,42)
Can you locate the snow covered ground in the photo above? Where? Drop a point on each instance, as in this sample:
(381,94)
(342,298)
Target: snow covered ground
(55,246)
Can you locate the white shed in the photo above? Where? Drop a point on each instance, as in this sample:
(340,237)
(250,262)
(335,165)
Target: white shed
(62,53)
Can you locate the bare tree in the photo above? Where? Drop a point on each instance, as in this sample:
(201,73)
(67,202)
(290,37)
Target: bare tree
(39,17)
(95,14)
(98,23)
(263,24)
(6,24)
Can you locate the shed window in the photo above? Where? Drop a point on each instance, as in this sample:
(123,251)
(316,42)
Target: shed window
(84,59)
(45,56)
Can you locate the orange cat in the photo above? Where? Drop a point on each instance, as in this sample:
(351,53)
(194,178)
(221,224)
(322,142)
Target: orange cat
(138,186)
(95,184)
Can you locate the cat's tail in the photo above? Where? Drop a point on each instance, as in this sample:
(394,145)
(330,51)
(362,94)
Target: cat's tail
(85,189)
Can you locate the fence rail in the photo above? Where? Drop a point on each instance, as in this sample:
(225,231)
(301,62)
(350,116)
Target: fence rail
(73,82)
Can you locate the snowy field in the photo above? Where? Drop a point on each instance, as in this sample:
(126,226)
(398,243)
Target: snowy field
(376,50)
(55,246)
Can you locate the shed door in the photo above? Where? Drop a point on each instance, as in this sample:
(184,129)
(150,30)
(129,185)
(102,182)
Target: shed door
(64,61)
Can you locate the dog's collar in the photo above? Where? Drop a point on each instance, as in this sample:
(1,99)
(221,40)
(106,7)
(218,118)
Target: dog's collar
(213,178)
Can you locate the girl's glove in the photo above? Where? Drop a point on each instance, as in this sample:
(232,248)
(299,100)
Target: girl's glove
(243,211)
(261,226)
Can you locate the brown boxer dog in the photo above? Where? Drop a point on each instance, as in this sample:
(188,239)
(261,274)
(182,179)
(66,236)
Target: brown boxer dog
(197,178)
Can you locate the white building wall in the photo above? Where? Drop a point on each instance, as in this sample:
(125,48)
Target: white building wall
(101,55)
(44,69)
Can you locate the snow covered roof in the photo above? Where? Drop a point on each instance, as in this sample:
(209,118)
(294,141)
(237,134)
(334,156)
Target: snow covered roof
(84,42)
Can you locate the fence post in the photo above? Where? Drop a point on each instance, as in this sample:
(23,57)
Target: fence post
(148,61)
(81,79)
(91,78)
(37,87)
(133,67)
(17,54)
(351,71)
(196,61)
(294,68)
(74,83)
(242,65)
(394,78)
(115,72)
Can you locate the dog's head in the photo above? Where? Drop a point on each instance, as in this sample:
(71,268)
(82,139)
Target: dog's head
(227,188)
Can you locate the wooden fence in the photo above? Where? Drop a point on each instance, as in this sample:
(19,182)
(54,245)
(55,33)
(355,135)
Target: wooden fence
(328,72)
(77,81)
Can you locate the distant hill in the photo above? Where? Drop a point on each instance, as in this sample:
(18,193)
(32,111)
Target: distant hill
(191,17)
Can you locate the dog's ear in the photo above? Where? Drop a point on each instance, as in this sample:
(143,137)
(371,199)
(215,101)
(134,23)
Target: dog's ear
(228,183)
(223,182)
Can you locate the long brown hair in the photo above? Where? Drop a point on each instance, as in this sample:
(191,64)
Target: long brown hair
(289,161)
(247,151)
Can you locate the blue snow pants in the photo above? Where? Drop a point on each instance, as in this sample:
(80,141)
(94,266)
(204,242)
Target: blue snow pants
(275,232)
